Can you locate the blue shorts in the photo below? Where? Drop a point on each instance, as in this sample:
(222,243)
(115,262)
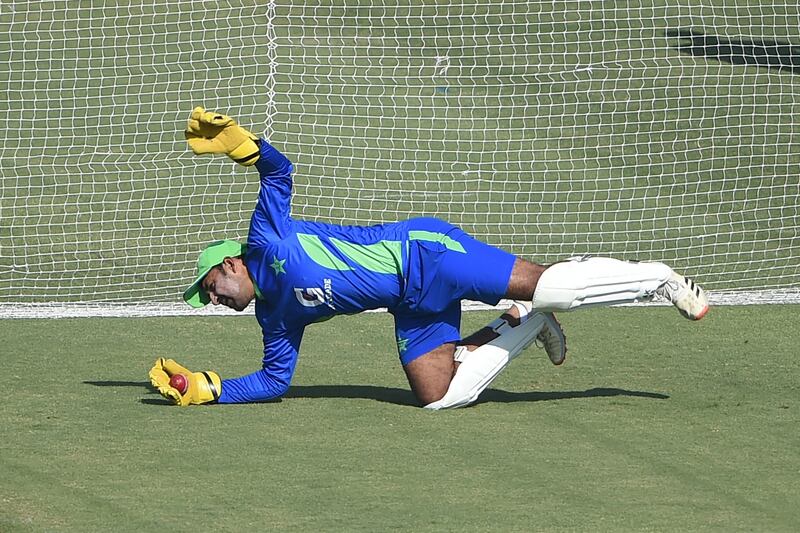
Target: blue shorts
(445,266)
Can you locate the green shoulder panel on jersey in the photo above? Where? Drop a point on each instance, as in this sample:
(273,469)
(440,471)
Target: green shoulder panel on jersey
(432,236)
(317,251)
(383,257)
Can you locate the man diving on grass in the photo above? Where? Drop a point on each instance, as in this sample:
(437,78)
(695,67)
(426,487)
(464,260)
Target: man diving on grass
(301,272)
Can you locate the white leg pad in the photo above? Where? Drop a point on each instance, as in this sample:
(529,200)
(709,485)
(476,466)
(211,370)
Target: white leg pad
(479,367)
(591,281)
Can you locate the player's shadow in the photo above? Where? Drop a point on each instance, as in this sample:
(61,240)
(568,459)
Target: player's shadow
(404,396)
(761,53)
(118,383)
(364,392)
(501,396)
(156,400)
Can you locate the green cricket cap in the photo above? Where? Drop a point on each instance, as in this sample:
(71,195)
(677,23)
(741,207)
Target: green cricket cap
(213,255)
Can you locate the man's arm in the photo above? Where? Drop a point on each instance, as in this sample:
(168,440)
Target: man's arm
(256,387)
(209,132)
(271,216)
(272,381)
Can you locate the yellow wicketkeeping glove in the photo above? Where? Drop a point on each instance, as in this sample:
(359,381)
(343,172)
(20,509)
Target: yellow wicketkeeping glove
(208,132)
(203,387)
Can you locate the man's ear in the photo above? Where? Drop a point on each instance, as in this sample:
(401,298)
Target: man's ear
(233,264)
(228,265)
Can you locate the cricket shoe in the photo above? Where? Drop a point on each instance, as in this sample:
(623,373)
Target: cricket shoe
(552,339)
(686,295)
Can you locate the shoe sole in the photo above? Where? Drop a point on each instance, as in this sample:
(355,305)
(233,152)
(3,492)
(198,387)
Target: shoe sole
(702,313)
(695,290)
(553,324)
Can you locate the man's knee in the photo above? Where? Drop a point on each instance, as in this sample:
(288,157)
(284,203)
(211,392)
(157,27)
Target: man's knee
(430,395)
(429,374)
(479,367)
(524,278)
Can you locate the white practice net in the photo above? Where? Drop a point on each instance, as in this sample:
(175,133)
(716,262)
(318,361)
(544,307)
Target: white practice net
(659,132)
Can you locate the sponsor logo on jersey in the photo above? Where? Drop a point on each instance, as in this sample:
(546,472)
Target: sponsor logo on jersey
(328,286)
(310,297)
(314,296)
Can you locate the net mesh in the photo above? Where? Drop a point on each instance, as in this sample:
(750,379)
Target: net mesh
(100,200)
(657,132)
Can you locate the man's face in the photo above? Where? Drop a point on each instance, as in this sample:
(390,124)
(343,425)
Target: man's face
(229,284)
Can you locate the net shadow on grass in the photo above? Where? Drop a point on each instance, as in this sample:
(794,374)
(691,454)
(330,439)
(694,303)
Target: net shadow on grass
(762,53)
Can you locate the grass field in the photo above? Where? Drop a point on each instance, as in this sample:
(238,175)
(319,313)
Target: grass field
(559,128)
(652,424)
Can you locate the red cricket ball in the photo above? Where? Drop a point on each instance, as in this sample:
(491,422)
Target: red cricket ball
(179,381)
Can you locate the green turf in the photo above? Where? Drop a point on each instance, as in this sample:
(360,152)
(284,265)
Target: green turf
(652,424)
(651,154)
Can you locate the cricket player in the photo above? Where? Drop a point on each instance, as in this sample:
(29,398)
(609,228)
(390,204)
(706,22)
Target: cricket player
(300,272)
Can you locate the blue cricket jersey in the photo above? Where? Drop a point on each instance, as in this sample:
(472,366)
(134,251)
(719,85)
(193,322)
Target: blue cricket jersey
(306,272)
